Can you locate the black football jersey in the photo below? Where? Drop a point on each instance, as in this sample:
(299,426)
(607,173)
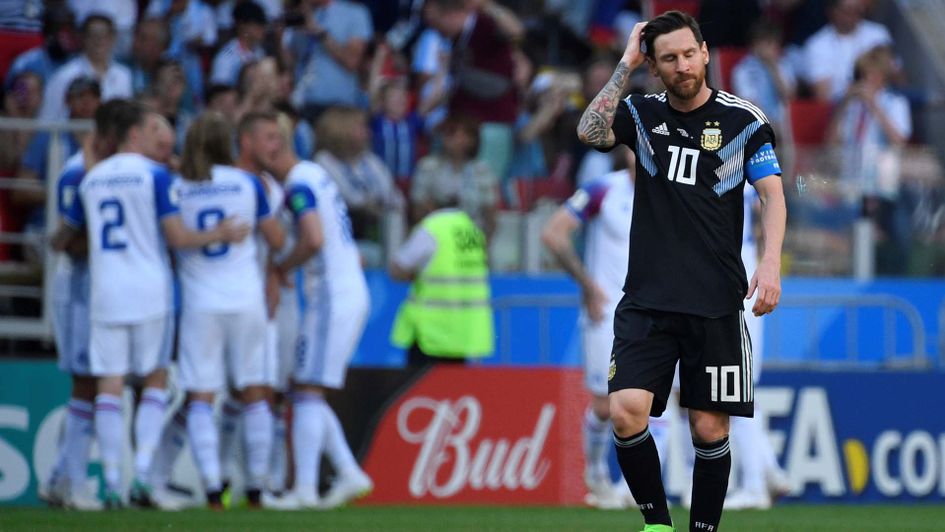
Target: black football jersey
(688,211)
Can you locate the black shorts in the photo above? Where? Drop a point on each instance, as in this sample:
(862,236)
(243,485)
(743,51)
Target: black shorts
(714,356)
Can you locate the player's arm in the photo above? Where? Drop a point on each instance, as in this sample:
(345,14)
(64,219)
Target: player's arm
(311,239)
(64,237)
(178,236)
(767,278)
(595,127)
(272,232)
(556,236)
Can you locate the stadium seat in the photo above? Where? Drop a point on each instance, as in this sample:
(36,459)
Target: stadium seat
(809,121)
(722,61)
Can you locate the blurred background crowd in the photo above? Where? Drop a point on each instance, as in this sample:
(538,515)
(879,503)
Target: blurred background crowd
(405,102)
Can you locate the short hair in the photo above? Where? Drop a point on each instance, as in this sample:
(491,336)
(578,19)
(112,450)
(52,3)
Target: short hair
(208,142)
(333,129)
(668,22)
(215,90)
(248,122)
(108,115)
(126,117)
(462,123)
(765,29)
(247,11)
(97,17)
(82,85)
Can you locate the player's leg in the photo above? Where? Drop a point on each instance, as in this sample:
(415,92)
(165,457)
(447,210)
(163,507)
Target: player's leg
(639,381)
(597,341)
(352,482)
(202,375)
(231,413)
(247,347)
(151,353)
(715,382)
(286,334)
(110,357)
(308,427)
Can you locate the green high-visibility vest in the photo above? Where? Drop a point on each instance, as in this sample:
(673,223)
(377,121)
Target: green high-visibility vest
(448,312)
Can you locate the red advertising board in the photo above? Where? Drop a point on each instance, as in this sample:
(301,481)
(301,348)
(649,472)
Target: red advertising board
(482,436)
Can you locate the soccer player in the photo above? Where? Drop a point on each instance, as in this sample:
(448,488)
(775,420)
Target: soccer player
(223,318)
(606,206)
(128,209)
(337,306)
(66,485)
(683,298)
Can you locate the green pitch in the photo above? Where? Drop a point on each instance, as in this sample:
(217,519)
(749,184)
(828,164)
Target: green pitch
(444,519)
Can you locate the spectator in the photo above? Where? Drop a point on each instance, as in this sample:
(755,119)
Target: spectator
(482,70)
(149,43)
(224,100)
(96,61)
(765,78)
(830,54)
(193,30)
(258,86)
(250,20)
(59,42)
(166,97)
(21,99)
(872,124)
(122,13)
(454,171)
(544,102)
(395,131)
(363,180)
(431,64)
(327,52)
(82,99)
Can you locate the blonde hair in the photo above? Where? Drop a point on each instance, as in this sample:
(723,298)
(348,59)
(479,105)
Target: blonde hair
(209,141)
(333,131)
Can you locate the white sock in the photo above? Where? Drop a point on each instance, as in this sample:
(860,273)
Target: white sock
(308,433)
(336,446)
(229,436)
(659,430)
(109,430)
(257,434)
(148,424)
(78,438)
(597,441)
(750,443)
(172,442)
(204,443)
(278,461)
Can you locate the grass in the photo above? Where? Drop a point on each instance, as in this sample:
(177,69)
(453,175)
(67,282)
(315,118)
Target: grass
(808,518)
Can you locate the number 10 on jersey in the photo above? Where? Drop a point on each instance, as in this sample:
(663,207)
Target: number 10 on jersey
(682,165)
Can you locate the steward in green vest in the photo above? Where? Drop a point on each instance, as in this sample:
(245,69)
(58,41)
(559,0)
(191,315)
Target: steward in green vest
(448,312)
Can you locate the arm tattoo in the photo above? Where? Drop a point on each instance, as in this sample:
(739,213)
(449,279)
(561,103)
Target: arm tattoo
(572,264)
(594,128)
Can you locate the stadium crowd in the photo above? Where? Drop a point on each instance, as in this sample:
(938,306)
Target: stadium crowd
(478,98)
(405,106)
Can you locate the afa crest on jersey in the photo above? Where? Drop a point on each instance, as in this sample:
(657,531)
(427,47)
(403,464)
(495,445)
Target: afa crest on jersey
(711,137)
(613,367)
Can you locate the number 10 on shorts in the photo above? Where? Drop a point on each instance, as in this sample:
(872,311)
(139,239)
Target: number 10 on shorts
(724,378)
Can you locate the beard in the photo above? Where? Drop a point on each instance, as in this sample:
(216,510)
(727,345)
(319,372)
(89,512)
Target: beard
(687,91)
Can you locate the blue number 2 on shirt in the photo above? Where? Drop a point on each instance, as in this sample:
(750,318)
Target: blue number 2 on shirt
(113,214)
(207,219)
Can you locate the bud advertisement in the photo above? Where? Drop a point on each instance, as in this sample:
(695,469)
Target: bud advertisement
(482,435)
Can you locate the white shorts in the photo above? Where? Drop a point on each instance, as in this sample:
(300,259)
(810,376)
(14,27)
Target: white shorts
(282,334)
(597,341)
(327,341)
(135,348)
(222,348)
(755,326)
(71,320)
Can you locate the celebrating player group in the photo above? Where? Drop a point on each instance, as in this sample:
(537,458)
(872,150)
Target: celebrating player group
(129,228)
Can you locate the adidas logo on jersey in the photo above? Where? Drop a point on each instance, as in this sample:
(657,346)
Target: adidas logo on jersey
(661,129)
